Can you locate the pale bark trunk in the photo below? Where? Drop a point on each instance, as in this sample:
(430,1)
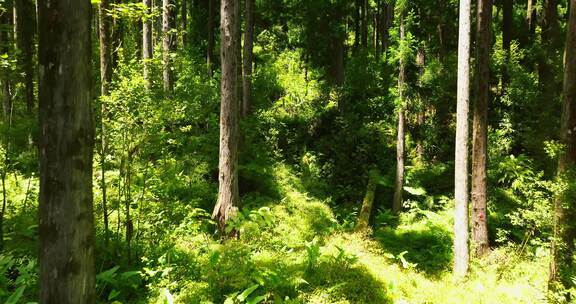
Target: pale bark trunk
(480,128)
(147,49)
(106,77)
(564,229)
(228,195)
(66,225)
(461,254)
(399,182)
(507,23)
(248,54)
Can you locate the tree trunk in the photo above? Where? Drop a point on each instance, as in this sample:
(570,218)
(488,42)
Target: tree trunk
(6,83)
(248,54)
(3,211)
(480,127)
(461,254)
(530,16)
(228,195)
(106,77)
(184,22)
(147,49)
(66,225)
(211,21)
(167,45)
(389,20)
(357,23)
(25,23)
(364,217)
(562,246)
(365,21)
(399,184)
(507,23)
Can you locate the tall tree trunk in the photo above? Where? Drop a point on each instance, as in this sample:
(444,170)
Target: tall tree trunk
(421,115)
(211,22)
(357,23)
(228,195)
(184,22)
(480,127)
(248,54)
(25,23)
(389,20)
(66,143)
(461,254)
(104,23)
(5,73)
(530,16)
(167,45)
(399,182)
(365,22)
(564,229)
(147,49)
(507,23)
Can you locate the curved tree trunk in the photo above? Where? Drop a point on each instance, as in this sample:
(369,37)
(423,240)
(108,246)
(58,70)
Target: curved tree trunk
(66,143)
(480,128)
(461,254)
(228,195)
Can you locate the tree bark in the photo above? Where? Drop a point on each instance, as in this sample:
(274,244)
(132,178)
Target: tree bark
(480,127)
(399,182)
(184,22)
(228,195)
(365,22)
(211,21)
(66,143)
(248,54)
(461,254)
(562,247)
(106,77)
(6,83)
(25,23)
(167,45)
(507,23)
(530,16)
(147,49)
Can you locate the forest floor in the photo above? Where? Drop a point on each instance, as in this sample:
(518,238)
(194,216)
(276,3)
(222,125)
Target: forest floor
(295,251)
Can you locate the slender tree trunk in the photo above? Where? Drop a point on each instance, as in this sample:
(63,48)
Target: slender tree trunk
(106,77)
(480,127)
(507,23)
(66,143)
(147,49)
(6,84)
(167,45)
(211,22)
(389,15)
(184,22)
(357,23)
(365,22)
(248,54)
(421,115)
(25,23)
(530,16)
(228,195)
(3,211)
(399,184)
(564,229)
(461,254)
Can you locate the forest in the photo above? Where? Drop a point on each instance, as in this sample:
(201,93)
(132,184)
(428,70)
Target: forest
(287,151)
